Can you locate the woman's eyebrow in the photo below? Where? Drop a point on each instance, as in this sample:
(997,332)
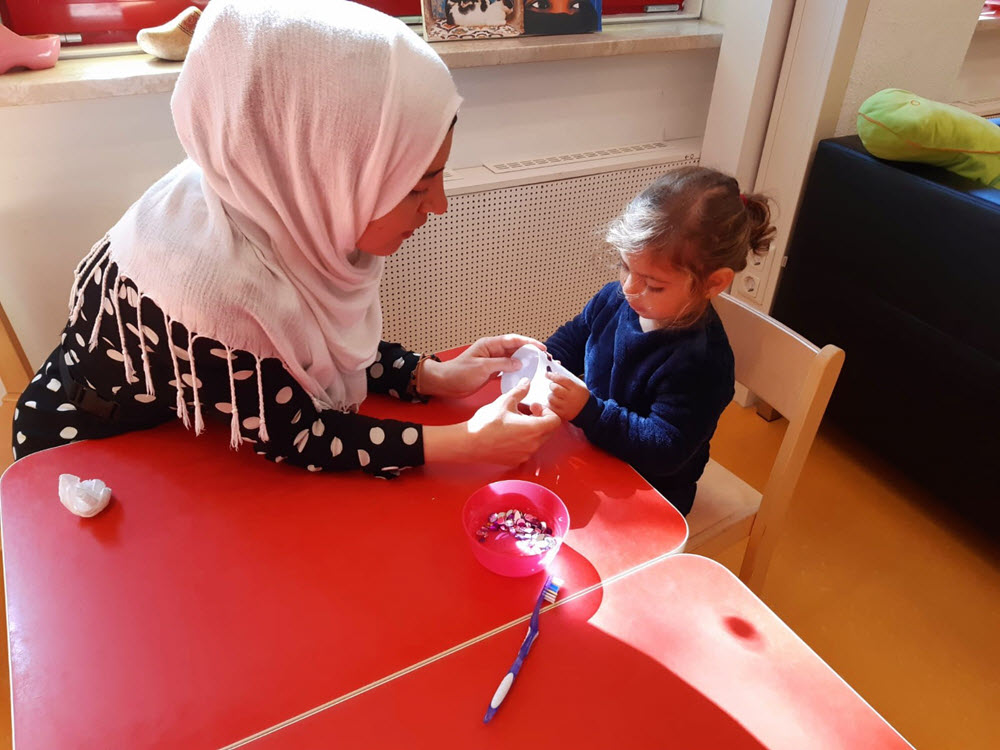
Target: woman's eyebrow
(435,173)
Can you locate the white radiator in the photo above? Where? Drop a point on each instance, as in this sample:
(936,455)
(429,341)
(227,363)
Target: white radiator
(519,251)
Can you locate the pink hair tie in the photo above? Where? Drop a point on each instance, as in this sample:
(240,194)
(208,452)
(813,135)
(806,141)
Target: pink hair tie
(743,197)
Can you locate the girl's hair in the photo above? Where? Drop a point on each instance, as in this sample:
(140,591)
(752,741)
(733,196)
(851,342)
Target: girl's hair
(697,220)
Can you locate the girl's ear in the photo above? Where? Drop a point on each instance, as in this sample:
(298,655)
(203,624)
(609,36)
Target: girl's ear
(718,281)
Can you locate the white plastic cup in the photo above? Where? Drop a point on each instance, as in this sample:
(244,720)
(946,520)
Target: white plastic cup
(534,365)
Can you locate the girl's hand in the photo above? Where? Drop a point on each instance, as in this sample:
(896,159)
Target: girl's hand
(474,367)
(568,395)
(497,433)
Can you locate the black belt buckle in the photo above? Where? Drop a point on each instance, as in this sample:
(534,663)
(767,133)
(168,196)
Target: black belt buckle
(87,400)
(84,398)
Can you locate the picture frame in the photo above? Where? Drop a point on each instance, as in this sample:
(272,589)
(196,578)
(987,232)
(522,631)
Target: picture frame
(457,20)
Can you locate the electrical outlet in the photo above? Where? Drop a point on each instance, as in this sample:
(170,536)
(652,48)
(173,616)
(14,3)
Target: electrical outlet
(750,284)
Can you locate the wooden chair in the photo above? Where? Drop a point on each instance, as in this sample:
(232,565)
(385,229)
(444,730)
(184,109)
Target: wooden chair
(15,373)
(795,378)
(15,370)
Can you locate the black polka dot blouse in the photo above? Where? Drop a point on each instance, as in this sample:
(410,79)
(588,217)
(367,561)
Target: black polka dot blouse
(122,365)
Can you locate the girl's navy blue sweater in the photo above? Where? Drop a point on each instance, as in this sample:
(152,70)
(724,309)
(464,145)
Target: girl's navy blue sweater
(655,397)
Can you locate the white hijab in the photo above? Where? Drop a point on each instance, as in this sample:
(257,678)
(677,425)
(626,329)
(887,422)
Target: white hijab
(302,122)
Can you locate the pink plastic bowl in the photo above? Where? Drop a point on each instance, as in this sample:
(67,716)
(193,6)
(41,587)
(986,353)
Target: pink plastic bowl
(503,556)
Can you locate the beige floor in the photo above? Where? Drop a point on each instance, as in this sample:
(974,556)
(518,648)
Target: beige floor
(901,601)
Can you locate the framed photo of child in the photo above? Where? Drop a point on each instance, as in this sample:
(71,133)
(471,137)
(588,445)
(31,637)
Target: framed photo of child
(451,20)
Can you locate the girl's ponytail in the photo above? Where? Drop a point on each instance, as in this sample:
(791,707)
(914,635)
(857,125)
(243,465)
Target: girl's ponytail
(762,231)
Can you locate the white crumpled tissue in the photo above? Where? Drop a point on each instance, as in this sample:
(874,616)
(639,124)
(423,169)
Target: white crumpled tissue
(86,498)
(534,364)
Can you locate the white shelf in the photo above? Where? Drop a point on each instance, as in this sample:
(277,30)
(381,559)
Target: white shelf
(76,77)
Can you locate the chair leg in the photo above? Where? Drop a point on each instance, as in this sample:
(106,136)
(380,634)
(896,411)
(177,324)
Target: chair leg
(744,396)
(767,412)
(15,370)
(7,405)
(731,557)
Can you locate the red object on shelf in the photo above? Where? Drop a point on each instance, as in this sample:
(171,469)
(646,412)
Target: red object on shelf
(95,22)
(618,7)
(394,7)
(608,7)
(108,21)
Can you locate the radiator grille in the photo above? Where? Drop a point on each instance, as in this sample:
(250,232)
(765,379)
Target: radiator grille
(514,260)
(580,156)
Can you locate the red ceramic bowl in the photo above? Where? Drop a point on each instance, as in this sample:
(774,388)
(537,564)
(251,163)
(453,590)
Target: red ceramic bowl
(503,556)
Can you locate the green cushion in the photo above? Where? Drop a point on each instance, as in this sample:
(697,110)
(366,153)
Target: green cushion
(899,125)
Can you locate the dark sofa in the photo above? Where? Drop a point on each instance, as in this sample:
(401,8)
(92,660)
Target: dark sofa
(899,264)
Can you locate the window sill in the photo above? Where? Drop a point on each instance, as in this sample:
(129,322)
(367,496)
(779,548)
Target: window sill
(617,39)
(76,77)
(988,23)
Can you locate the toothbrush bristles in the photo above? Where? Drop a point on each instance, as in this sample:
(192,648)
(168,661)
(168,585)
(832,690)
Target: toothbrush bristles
(552,590)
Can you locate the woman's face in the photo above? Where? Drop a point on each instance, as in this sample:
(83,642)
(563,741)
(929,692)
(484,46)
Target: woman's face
(384,235)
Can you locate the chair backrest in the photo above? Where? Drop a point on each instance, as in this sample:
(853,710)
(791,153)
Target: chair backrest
(796,378)
(15,370)
(771,359)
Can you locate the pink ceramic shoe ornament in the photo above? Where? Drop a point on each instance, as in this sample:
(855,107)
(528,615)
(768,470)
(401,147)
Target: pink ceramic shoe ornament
(35,52)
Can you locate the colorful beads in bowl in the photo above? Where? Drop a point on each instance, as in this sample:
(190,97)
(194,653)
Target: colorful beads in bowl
(532,534)
(515,527)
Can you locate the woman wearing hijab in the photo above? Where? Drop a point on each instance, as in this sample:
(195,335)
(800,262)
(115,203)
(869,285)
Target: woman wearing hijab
(244,283)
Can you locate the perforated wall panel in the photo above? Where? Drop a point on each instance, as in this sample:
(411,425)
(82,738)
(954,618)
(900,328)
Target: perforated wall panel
(516,260)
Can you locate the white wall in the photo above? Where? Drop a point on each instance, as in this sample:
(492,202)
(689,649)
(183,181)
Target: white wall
(979,76)
(535,109)
(68,170)
(838,53)
(815,67)
(745,81)
(717,11)
(918,45)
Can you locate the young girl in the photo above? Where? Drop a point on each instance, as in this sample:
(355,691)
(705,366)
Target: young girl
(654,356)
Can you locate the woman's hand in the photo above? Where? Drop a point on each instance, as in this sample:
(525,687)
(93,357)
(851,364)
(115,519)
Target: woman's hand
(568,395)
(474,367)
(497,433)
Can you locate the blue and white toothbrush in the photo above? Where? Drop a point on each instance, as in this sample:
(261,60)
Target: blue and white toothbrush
(549,593)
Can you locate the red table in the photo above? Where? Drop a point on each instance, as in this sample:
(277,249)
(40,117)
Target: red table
(220,594)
